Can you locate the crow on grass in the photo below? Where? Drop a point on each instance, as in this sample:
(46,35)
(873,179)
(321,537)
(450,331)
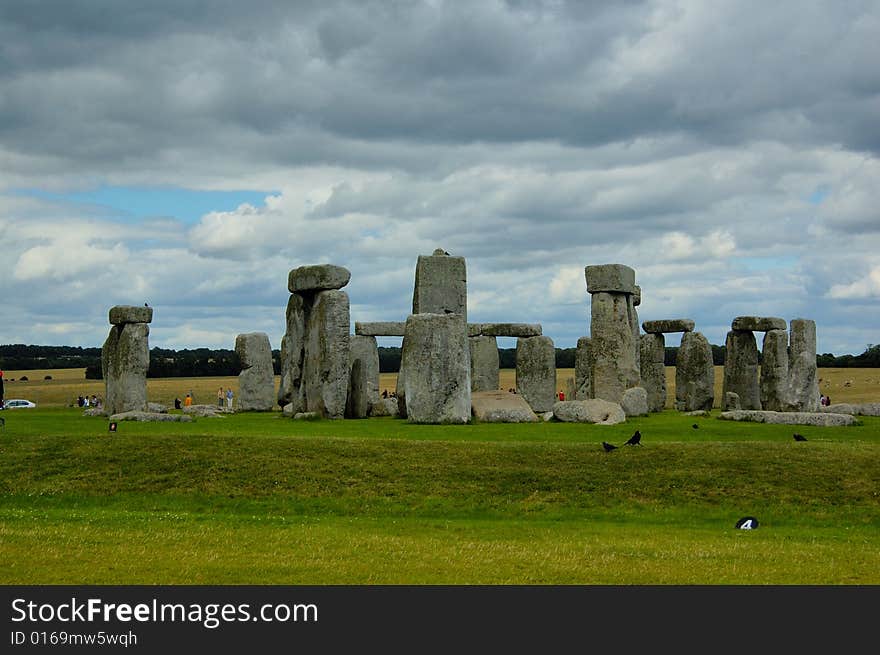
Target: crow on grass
(695,426)
(799,437)
(635,440)
(608,447)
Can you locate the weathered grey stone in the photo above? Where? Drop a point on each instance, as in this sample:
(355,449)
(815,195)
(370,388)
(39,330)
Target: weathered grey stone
(122,314)
(319,277)
(653,370)
(150,417)
(857,409)
(205,411)
(367,350)
(306,416)
(701,413)
(536,372)
(731,401)
(610,278)
(95,411)
(474,329)
(436,361)
(256,382)
(637,351)
(157,408)
(597,411)
(669,325)
(510,329)
(288,410)
(613,347)
(774,371)
(357,405)
(803,395)
(694,374)
(501,407)
(380,328)
(635,402)
(440,286)
(569,387)
(583,369)
(326,356)
(819,419)
(741,368)
(125,359)
(484,363)
(384,407)
(758,323)
(637,295)
(290,389)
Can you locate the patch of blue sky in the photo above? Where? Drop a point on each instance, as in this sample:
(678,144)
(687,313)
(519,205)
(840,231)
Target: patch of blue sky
(819,195)
(137,203)
(768,263)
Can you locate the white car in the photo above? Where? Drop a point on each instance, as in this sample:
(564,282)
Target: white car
(17,403)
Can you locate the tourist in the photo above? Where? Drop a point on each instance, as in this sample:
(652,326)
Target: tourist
(229,397)
(85,401)
(188,401)
(561,395)
(220,397)
(177,403)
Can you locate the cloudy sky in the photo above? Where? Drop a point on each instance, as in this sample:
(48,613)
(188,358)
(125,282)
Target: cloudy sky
(189,153)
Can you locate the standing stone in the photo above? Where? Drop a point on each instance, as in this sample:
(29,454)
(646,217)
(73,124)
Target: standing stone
(803,376)
(325,368)
(612,348)
(484,363)
(125,359)
(635,401)
(731,401)
(583,369)
(290,389)
(741,368)
(634,321)
(774,371)
(440,285)
(536,372)
(653,368)
(357,404)
(437,386)
(694,374)
(256,382)
(366,350)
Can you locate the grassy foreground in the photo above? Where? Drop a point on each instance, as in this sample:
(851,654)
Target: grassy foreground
(257,499)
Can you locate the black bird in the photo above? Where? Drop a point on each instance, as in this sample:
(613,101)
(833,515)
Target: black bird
(799,437)
(608,447)
(695,426)
(635,440)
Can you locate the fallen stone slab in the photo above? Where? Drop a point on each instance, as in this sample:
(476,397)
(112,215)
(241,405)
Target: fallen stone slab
(501,407)
(385,407)
(669,325)
(95,411)
(819,419)
(380,328)
(157,408)
(597,411)
(862,409)
(317,277)
(151,416)
(510,329)
(306,416)
(205,411)
(122,314)
(758,323)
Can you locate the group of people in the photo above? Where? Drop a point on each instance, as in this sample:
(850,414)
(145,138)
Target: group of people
(225,397)
(824,400)
(85,401)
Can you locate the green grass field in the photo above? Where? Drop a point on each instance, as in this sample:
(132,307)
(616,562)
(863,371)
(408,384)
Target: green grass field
(258,499)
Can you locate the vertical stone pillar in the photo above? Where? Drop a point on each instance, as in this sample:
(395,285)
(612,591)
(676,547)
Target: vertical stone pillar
(804,381)
(634,321)
(694,374)
(774,371)
(125,359)
(484,363)
(256,382)
(437,385)
(440,285)
(653,369)
(366,350)
(315,349)
(583,369)
(536,372)
(741,368)
(613,348)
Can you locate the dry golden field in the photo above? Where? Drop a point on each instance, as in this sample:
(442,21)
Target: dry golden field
(855,385)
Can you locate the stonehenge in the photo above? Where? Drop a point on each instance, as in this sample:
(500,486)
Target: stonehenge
(125,359)
(256,382)
(694,374)
(536,372)
(315,348)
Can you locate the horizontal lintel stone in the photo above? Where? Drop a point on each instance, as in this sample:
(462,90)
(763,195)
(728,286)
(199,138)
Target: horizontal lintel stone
(121,314)
(758,323)
(610,278)
(319,277)
(380,328)
(668,325)
(511,329)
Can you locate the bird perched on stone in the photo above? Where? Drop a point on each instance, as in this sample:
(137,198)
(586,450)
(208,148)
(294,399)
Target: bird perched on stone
(635,440)
(608,447)
(799,437)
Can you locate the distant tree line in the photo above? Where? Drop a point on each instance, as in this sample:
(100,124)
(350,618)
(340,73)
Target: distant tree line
(204,362)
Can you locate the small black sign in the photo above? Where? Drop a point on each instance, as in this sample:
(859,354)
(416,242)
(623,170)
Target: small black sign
(747,523)
(112,426)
